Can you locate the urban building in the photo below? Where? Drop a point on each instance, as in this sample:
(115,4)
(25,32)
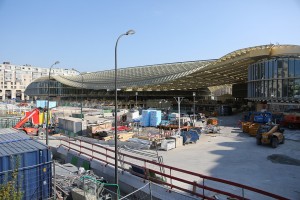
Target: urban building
(15,78)
(261,73)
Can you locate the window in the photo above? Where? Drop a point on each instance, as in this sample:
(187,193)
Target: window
(297,88)
(297,67)
(279,68)
(290,88)
(274,63)
(284,88)
(291,67)
(266,70)
(270,69)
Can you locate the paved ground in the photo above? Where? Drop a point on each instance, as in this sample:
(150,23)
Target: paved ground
(234,156)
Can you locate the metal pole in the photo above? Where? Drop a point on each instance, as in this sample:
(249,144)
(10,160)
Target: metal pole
(130,32)
(194,95)
(48,99)
(136,94)
(81,113)
(179,101)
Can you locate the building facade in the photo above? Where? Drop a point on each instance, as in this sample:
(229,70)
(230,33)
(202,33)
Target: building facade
(277,78)
(268,72)
(15,78)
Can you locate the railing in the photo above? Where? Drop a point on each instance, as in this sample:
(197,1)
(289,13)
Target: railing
(172,174)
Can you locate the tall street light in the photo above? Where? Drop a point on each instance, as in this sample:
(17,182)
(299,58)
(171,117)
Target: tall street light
(136,95)
(81,99)
(194,95)
(130,32)
(178,100)
(48,99)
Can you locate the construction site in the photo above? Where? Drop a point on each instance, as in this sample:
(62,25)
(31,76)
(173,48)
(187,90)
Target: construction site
(224,128)
(212,156)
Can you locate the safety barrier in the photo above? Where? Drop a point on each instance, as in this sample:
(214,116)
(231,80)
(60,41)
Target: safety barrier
(171,178)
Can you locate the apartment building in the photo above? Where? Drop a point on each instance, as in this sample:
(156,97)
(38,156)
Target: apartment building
(15,78)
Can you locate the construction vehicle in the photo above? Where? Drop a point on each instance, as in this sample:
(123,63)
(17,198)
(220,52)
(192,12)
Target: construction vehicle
(30,124)
(270,134)
(253,129)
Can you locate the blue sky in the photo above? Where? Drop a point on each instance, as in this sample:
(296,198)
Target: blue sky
(82,34)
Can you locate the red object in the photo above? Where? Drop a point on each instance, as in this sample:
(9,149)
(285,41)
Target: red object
(32,114)
(121,128)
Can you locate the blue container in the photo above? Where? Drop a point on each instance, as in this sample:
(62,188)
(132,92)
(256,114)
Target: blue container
(155,117)
(190,136)
(146,118)
(34,163)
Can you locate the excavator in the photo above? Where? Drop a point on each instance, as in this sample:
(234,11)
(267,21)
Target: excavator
(26,124)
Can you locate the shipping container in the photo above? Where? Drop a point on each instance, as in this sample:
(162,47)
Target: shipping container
(31,158)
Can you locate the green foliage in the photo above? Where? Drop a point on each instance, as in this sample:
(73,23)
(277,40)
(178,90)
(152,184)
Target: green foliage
(11,190)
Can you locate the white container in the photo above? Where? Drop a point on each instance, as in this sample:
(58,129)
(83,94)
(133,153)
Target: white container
(178,140)
(167,144)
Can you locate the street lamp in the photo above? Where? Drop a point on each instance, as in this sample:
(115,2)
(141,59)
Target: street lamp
(130,32)
(81,99)
(48,99)
(194,95)
(136,94)
(179,99)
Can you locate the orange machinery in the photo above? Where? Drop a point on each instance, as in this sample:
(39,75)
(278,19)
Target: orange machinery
(30,128)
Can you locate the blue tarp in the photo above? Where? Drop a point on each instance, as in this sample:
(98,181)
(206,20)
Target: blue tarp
(190,136)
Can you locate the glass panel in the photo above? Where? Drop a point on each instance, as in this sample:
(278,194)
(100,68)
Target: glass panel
(255,72)
(297,67)
(279,68)
(266,89)
(285,69)
(270,69)
(249,72)
(291,67)
(274,88)
(270,88)
(274,68)
(262,70)
(262,89)
(266,69)
(297,88)
(279,88)
(257,89)
(284,88)
(291,88)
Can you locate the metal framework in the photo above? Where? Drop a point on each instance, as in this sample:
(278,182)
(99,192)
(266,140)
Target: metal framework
(229,69)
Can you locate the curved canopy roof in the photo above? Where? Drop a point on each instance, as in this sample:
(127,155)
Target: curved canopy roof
(229,69)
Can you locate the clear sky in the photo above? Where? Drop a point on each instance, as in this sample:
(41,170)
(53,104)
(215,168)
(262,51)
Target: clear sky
(82,34)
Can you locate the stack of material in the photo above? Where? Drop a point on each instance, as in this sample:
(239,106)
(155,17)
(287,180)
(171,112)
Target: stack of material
(155,117)
(131,115)
(124,136)
(102,125)
(146,118)
(173,116)
(70,125)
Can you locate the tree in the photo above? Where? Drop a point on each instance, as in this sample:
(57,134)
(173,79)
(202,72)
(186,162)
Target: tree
(11,190)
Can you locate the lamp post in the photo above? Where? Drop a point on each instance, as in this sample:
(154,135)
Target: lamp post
(130,32)
(136,94)
(179,99)
(194,96)
(48,99)
(81,99)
